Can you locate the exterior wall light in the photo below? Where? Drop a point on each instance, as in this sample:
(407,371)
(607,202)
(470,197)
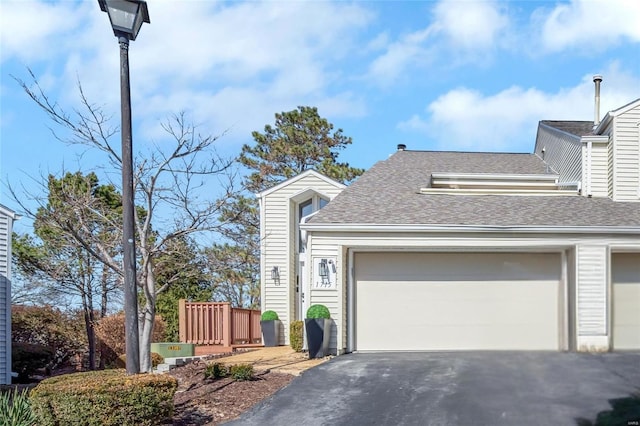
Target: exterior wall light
(275,275)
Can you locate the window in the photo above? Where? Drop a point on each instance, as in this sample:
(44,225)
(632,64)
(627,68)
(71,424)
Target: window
(305,208)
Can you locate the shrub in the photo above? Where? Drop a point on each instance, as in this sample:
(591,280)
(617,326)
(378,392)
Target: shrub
(26,358)
(47,326)
(216,371)
(156,359)
(241,372)
(121,361)
(318,311)
(296,335)
(15,409)
(104,398)
(269,316)
(111,333)
(238,372)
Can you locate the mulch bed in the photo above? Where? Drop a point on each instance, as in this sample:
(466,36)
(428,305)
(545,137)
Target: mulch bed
(200,401)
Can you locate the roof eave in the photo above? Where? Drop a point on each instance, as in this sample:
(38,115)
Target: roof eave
(616,112)
(355,227)
(9,213)
(298,177)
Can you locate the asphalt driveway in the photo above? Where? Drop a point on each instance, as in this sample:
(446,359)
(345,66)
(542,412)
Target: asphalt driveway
(462,388)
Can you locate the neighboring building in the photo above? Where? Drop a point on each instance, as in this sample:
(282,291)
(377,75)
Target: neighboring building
(469,251)
(6,225)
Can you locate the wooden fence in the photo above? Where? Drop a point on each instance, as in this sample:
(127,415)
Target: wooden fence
(217,323)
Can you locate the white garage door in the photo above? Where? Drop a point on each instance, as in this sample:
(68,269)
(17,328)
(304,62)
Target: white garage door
(625,280)
(457,301)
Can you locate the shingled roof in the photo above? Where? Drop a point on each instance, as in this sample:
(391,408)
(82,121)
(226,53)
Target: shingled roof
(577,128)
(389,193)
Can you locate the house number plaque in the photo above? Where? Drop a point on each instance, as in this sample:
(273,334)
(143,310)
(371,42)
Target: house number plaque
(325,273)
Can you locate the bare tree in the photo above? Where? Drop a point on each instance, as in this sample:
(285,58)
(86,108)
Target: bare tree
(170,187)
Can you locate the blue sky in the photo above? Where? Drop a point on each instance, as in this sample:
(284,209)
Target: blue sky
(446,75)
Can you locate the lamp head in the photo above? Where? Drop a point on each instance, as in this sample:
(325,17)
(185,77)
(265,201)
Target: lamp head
(126,16)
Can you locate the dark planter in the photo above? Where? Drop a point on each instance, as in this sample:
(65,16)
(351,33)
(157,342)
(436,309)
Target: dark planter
(318,336)
(270,332)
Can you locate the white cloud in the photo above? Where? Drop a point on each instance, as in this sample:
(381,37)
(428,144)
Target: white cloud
(466,119)
(589,24)
(464,30)
(470,24)
(32,30)
(230,64)
(239,110)
(379,42)
(399,56)
(239,41)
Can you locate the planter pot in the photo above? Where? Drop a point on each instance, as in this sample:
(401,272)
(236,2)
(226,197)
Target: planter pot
(270,332)
(318,336)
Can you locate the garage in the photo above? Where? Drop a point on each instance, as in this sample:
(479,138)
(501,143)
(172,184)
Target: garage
(406,301)
(625,283)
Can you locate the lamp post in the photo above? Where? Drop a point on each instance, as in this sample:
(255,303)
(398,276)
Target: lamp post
(126,18)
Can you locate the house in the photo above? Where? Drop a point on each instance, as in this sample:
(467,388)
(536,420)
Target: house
(469,251)
(6,225)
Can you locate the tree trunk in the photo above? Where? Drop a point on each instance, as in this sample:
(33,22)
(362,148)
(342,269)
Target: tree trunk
(88,325)
(104,287)
(148,318)
(103,311)
(146,336)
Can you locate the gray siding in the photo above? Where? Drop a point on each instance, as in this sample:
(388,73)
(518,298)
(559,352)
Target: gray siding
(562,151)
(5,299)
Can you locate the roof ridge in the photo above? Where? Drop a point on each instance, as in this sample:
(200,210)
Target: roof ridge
(464,152)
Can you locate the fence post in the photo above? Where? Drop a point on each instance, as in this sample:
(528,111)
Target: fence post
(227,325)
(182,320)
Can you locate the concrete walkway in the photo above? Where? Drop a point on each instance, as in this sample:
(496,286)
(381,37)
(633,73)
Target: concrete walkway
(281,359)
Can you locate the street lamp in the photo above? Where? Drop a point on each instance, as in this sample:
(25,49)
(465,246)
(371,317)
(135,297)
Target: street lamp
(126,18)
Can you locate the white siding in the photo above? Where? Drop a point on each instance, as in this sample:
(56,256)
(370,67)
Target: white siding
(333,299)
(5,299)
(279,234)
(571,299)
(586,274)
(592,277)
(627,155)
(343,284)
(599,169)
(562,151)
(610,169)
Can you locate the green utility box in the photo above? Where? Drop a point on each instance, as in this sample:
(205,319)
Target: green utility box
(173,350)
